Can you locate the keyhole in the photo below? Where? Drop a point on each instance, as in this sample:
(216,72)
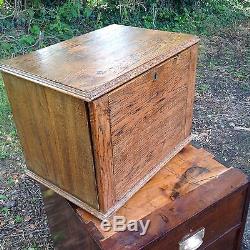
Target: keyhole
(155,76)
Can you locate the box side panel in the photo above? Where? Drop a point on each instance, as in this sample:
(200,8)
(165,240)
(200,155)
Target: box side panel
(54,132)
(101,137)
(148,117)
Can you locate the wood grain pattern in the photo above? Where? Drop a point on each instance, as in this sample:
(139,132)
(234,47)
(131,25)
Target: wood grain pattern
(147,118)
(93,64)
(191,88)
(67,195)
(63,220)
(101,136)
(53,129)
(174,221)
(196,192)
(128,193)
(230,210)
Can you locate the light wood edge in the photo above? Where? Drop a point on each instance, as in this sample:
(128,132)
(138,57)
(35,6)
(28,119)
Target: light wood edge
(125,198)
(45,82)
(106,87)
(99,116)
(120,80)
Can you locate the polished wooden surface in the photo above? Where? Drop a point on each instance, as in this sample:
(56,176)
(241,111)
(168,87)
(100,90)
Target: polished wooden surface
(228,241)
(91,65)
(203,193)
(54,132)
(224,216)
(67,231)
(218,205)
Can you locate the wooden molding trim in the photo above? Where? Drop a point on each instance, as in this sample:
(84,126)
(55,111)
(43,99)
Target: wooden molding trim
(107,86)
(45,82)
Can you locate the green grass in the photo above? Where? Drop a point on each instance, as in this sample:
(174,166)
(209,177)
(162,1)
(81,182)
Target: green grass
(41,25)
(4,211)
(18,219)
(33,247)
(3,197)
(202,88)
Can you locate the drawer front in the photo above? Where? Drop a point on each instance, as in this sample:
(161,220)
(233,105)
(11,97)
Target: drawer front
(227,241)
(147,119)
(216,220)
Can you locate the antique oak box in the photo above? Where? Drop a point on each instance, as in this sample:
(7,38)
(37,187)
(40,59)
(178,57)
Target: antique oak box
(100,114)
(194,202)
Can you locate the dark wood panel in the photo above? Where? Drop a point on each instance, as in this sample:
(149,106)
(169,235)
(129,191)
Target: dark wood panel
(227,241)
(95,63)
(66,229)
(244,218)
(53,129)
(216,219)
(147,125)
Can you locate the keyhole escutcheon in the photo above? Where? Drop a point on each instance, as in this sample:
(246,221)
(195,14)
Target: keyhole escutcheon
(155,76)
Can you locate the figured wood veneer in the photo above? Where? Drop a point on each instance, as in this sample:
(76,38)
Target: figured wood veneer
(152,121)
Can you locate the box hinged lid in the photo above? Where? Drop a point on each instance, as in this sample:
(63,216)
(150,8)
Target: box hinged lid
(93,64)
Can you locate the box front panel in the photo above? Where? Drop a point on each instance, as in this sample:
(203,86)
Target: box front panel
(53,128)
(147,118)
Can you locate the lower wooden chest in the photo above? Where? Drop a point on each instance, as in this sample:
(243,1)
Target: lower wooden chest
(192,196)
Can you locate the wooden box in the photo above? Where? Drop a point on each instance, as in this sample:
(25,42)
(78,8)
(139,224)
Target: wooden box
(100,114)
(192,193)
